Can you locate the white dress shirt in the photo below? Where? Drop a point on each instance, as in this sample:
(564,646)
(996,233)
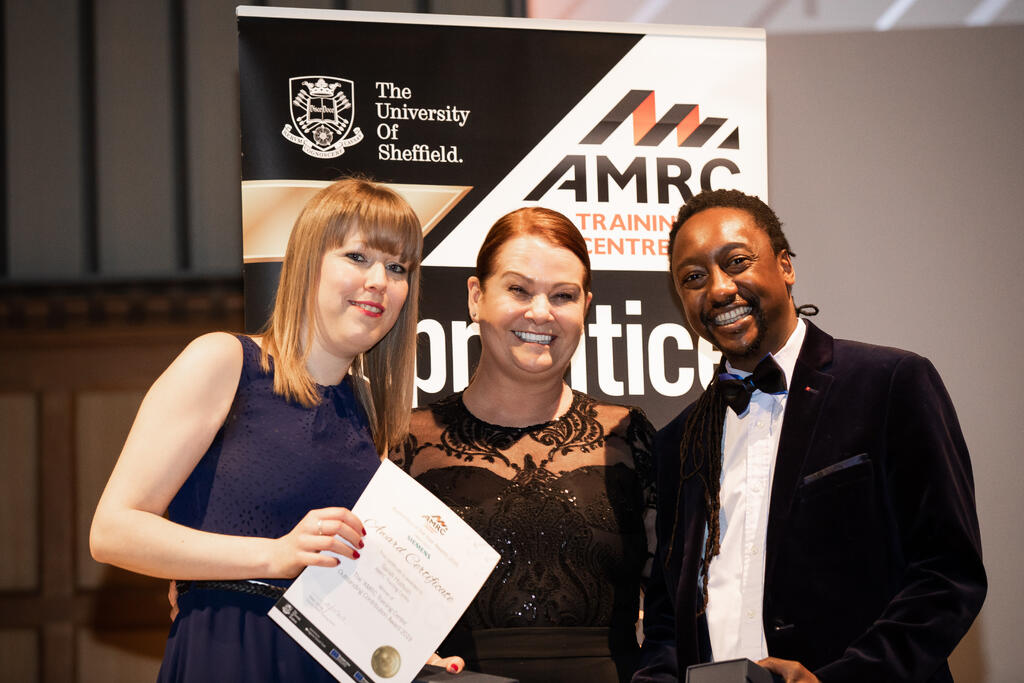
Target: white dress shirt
(750,442)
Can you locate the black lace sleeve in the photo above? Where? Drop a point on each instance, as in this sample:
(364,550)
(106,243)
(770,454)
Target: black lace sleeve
(422,427)
(402,454)
(640,437)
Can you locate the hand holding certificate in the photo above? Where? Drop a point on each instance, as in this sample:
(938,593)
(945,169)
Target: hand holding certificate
(380,617)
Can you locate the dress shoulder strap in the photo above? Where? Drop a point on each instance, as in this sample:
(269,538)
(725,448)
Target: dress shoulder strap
(251,368)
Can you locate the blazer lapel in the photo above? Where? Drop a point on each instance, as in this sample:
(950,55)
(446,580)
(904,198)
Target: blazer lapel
(689,598)
(804,403)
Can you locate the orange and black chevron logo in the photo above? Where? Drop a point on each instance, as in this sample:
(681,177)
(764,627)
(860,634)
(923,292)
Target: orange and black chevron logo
(648,132)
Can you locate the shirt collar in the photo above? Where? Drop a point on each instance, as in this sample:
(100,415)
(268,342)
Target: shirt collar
(786,357)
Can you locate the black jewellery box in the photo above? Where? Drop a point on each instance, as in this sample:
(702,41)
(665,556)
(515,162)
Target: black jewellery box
(730,671)
(435,674)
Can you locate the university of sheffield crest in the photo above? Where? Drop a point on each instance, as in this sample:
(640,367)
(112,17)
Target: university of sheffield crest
(323,110)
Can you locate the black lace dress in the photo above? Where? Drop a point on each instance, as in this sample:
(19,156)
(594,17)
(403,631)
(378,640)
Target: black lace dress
(567,504)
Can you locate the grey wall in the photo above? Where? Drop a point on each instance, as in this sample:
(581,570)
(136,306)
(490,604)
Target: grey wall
(121,135)
(896,163)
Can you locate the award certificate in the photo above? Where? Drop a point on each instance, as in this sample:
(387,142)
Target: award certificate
(380,617)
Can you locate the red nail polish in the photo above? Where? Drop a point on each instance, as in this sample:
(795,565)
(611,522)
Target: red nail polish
(361,544)
(455,668)
(355,554)
(364,531)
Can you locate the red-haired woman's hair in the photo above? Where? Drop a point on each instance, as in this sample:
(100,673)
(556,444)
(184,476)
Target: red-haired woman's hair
(532,221)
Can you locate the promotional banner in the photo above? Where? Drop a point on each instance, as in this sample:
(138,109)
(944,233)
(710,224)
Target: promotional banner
(616,126)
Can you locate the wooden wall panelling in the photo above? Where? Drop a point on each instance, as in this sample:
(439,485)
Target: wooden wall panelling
(102,421)
(67,399)
(57,532)
(19,430)
(113,656)
(19,652)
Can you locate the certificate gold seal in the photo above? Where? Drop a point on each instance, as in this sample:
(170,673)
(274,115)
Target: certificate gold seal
(385,661)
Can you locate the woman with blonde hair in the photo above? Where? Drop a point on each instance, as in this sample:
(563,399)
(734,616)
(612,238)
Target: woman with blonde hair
(247,453)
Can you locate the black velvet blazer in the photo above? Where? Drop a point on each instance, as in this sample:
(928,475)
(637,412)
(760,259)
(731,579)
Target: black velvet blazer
(873,567)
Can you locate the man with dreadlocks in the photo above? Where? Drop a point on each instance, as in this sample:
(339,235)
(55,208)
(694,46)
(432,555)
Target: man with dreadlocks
(816,504)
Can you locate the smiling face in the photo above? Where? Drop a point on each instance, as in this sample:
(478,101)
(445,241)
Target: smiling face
(359,297)
(734,288)
(530,310)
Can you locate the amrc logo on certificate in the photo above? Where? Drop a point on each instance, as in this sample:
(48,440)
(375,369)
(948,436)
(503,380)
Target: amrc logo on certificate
(435,524)
(322,109)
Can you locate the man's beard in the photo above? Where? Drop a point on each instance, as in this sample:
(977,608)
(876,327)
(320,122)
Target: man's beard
(754,347)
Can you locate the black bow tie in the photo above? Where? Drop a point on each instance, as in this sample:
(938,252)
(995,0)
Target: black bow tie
(767,376)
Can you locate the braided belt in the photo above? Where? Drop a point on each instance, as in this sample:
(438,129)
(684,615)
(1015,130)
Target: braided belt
(249,587)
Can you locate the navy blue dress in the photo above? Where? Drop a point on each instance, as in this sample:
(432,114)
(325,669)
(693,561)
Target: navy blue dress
(271,462)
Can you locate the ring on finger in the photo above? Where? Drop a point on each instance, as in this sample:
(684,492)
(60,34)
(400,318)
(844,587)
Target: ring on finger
(319,527)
